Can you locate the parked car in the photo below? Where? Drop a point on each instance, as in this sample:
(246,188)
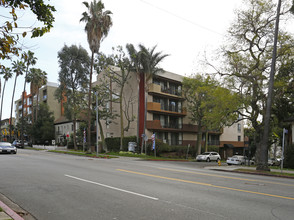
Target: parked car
(6,147)
(273,162)
(17,143)
(236,160)
(252,161)
(208,156)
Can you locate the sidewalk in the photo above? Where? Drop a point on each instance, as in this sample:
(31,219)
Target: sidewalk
(234,168)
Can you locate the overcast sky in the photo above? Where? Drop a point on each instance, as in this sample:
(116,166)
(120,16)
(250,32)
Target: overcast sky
(183,29)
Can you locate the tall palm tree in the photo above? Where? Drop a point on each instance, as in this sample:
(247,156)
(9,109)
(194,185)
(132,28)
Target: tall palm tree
(18,67)
(37,78)
(7,74)
(29,60)
(146,64)
(98,23)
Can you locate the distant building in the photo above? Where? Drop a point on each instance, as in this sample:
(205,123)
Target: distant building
(46,95)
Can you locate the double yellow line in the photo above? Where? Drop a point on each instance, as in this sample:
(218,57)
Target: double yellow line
(204,184)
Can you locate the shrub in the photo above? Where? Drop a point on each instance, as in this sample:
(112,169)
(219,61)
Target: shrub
(289,155)
(113,144)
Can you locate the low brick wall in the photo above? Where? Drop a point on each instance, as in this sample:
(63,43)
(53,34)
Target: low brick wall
(49,147)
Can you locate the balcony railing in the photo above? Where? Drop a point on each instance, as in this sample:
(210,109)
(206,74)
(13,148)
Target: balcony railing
(155,106)
(154,88)
(171,91)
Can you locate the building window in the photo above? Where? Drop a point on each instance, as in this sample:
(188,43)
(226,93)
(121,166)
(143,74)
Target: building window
(239,127)
(239,138)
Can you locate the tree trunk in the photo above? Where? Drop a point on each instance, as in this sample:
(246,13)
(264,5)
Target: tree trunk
(89,105)
(104,147)
(75,133)
(11,108)
(199,137)
(33,115)
(263,154)
(2,106)
(121,119)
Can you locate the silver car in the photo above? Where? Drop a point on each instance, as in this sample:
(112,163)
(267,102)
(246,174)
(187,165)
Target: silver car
(236,160)
(208,156)
(6,147)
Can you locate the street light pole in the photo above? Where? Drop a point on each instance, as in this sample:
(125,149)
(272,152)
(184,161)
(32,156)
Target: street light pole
(96,93)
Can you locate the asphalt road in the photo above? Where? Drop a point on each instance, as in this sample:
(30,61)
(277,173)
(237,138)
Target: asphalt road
(53,186)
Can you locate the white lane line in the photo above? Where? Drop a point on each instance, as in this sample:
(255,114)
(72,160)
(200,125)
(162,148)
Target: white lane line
(111,187)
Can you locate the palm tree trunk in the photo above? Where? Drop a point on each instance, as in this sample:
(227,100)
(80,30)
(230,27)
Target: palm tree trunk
(2,107)
(89,104)
(263,154)
(11,108)
(22,115)
(37,105)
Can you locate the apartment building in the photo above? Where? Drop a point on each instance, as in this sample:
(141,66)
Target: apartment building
(46,95)
(167,115)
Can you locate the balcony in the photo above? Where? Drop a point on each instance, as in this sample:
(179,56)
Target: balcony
(168,110)
(165,92)
(156,126)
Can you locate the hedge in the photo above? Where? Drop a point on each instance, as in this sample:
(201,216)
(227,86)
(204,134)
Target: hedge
(113,143)
(289,155)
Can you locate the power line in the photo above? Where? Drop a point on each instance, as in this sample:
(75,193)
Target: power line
(181,18)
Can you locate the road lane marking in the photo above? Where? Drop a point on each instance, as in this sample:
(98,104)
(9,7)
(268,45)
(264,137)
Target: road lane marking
(111,187)
(205,184)
(227,177)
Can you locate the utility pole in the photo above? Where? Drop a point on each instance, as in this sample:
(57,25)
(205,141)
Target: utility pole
(97,145)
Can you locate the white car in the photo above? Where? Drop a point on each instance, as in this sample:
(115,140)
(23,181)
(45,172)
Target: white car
(208,156)
(236,160)
(6,147)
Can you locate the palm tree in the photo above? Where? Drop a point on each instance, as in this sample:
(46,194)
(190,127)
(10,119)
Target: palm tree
(146,65)
(37,78)
(7,74)
(98,23)
(18,67)
(29,59)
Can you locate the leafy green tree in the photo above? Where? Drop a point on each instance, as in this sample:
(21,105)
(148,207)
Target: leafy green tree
(10,32)
(7,74)
(119,73)
(104,111)
(37,78)
(98,22)
(248,58)
(74,65)
(18,67)
(43,128)
(210,105)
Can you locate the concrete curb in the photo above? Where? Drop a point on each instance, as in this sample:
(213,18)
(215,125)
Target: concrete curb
(13,210)
(10,212)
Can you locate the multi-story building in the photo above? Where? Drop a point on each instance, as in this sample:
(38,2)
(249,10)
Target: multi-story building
(167,115)
(46,95)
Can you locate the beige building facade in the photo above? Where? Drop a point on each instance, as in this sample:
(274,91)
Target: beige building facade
(167,114)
